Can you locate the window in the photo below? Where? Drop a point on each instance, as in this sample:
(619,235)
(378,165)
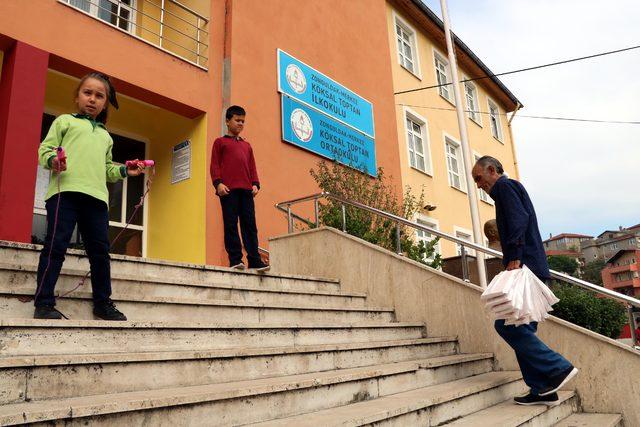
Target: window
(454,164)
(442,76)
(471,97)
(405,38)
(116,12)
(494,119)
(465,235)
(417,142)
(483,194)
(426,237)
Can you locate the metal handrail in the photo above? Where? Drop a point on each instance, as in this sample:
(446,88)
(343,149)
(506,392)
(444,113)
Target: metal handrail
(286,207)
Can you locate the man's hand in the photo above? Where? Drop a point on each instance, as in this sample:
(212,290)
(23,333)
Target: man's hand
(222,190)
(255,190)
(58,165)
(513,265)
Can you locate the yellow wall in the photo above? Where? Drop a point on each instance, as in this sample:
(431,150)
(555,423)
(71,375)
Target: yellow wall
(452,204)
(175,212)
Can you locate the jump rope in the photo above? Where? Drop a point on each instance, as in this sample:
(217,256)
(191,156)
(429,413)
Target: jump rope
(60,154)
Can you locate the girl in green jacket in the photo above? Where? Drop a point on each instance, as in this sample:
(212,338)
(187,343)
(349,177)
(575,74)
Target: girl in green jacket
(78,195)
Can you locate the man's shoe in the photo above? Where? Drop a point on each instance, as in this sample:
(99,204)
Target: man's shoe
(239,266)
(261,268)
(556,383)
(108,311)
(534,399)
(46,312)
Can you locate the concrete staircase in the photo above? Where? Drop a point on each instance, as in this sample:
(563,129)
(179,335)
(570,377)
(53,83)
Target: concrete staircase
(210,346)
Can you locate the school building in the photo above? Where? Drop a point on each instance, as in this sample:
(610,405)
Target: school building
(317,79)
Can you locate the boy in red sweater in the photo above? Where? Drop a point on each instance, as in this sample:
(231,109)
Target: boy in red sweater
(235,178)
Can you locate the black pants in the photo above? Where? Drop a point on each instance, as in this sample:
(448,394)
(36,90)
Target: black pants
(238,204)
(92,217)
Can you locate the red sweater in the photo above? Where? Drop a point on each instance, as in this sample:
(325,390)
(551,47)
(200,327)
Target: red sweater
(233,164)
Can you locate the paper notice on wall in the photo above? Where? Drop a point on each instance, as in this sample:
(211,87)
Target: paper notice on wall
(181,162)
(42,184)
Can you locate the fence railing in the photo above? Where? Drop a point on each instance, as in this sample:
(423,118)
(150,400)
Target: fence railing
(286,207)
(166,24)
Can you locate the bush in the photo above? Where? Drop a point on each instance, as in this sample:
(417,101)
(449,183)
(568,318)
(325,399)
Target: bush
(563,264)
(379,193)
(583,308)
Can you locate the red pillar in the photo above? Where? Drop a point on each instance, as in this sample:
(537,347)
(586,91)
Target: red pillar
(22,88)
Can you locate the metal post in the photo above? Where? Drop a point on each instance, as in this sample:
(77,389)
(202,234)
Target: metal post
(289,219)
(161,21)
(464,264)
(398,243)
(344,218)
(466,149)
(198,41)
(316,211)
(632,325)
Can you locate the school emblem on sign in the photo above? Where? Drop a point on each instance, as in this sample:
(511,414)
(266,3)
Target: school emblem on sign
(296,79)
(301,125)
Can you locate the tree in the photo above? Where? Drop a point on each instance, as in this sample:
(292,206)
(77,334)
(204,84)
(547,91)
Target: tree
(592,272)
(380,193)
(563,264)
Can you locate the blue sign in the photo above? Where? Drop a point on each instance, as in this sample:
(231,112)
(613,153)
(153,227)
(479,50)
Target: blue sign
(316,132)
(299,81)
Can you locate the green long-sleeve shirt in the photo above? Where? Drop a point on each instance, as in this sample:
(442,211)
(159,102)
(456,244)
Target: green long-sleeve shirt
(87,145)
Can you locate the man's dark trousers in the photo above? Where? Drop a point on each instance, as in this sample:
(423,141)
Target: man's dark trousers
(538,363)
(238,204)
(92,217)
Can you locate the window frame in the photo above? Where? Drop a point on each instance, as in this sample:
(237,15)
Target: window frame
(428,222)
(477,117)
(439,57)
(460,160)
(457,229)
(94,10)
(488,200)
(398,21)
(498,122)
(410,115)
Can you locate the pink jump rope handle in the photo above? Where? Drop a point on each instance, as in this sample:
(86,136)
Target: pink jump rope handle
(134,163)
(61,154)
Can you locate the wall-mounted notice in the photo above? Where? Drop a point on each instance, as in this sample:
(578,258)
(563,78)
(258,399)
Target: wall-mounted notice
(181,162)
(309,129)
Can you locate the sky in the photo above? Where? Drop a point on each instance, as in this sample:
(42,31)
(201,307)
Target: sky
(582,177)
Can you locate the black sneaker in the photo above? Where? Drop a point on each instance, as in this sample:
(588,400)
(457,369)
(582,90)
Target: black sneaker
(108,311)
(260,268)
(556,383)
(46,312)
(535,399)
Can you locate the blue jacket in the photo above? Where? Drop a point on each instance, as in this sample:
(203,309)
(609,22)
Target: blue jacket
(518,227)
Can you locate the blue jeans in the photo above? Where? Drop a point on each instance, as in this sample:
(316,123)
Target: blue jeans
(538,363)
(92,217)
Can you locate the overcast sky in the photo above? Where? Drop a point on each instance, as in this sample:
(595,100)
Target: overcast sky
(582,177)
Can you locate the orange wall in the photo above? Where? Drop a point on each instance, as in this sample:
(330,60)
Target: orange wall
(337,38)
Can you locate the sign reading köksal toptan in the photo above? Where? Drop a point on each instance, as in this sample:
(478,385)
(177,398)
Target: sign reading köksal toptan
(323,116)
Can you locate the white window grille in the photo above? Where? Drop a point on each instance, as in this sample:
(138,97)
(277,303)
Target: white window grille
(494,118)
(406,42)
(471,96)
(426,237)
(465,235)
(454,164)
(481,193)
(418,155)
(442,76)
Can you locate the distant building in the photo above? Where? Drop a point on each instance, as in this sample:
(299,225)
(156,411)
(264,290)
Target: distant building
(610,242)
(565,242)
(621,273)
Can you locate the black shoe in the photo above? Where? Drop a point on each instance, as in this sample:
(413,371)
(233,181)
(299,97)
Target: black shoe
(46,312)
(534,399)
(260,267)
(557,382)
(108,311)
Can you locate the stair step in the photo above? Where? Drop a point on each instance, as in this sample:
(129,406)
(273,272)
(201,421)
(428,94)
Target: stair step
(45,377)
(432,405)
(13,277)
(591,420)
(21,254)
(261,399)
(153,308)
(19,337)
(508,414)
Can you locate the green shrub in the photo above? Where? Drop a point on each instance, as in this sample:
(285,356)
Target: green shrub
(379,193)
(583,308)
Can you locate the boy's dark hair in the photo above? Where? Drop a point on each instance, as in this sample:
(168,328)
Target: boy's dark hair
(235,110)
(111,93)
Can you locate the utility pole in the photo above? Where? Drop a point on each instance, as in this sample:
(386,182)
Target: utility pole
(466,148)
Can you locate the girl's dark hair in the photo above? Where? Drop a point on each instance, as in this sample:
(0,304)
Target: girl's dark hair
(111,93)
(235,110)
